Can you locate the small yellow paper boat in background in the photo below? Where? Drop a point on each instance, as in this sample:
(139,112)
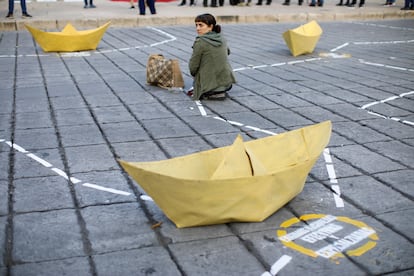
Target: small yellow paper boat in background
(245,182)
(69,39)
(303,39)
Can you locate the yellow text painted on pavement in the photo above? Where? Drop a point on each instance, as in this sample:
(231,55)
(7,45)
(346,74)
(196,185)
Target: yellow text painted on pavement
(327,236)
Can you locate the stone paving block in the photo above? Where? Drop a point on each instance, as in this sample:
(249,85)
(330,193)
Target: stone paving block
(73,116)
(28,167)
(360,190)
(146,261)
(403,273)
(347,96)
(63,87)
(167,128)
(319,199)
(125,86)
(135,97)
(105,99)
(90,158)
(4,161)
(4,191)
(270,224)
(39,138)
(46,236)
(183,108)
(67,102)
(257,103)
(153,110)
(41,194)
(80,135)
(118,227)
(287,100)
(139,151)
(342,170)
(318,114)
(351,112)
(400,221)
(285,118)
(26,120)
(401,153)
(369,91)
(223,107)
(391,253)
(271,250)
(224,139)
(175,94)
(359,133)
(175,235)
(71,266)
(106,179)
(399,180)
(124,132)
(390,110)
(222,256)
(112,114)
(210,125)
(254,119)
(5,119)
(3,225)
(182,146)
(363,159)
(321,99)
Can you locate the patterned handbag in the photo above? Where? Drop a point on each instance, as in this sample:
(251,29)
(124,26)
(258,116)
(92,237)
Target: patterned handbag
(162,72)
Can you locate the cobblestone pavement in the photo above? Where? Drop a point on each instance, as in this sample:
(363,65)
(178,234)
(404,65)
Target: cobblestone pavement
(67,208)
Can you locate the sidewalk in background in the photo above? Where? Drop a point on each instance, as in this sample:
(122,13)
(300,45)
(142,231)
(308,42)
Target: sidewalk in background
(55,15)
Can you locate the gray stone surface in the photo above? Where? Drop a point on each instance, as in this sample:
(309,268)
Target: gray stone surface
(76,114)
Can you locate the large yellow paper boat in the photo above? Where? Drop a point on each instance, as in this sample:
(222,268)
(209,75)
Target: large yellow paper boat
(245,182)
(303,39)
(69,39)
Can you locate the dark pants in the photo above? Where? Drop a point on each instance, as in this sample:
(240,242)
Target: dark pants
(22,5)
(150,4)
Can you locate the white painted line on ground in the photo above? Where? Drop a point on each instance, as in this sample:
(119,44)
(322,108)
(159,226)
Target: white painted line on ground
(332,178)
(16,147)
(146,198)
(308,229)
(253,67)
(59,171)
(392,98)
(340,47)
(39,160)
(201,108)
(344,243)
(337,196)
(279,264)
(386,66)
(89,53)
(75,180)
(101,188)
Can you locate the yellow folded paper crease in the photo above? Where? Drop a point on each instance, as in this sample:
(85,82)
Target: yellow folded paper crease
(303,39)
(244,182)
(69,39)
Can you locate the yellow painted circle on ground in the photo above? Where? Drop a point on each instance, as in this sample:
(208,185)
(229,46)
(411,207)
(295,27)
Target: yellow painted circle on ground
(318,227)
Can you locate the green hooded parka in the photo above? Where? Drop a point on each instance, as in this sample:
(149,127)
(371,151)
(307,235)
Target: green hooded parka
(209,64)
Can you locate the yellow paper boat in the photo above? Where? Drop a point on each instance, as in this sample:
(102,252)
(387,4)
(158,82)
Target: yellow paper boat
(69,39)
(303,39)
(245,182)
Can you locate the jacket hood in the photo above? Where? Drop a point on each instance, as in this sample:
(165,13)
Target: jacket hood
(212,38)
